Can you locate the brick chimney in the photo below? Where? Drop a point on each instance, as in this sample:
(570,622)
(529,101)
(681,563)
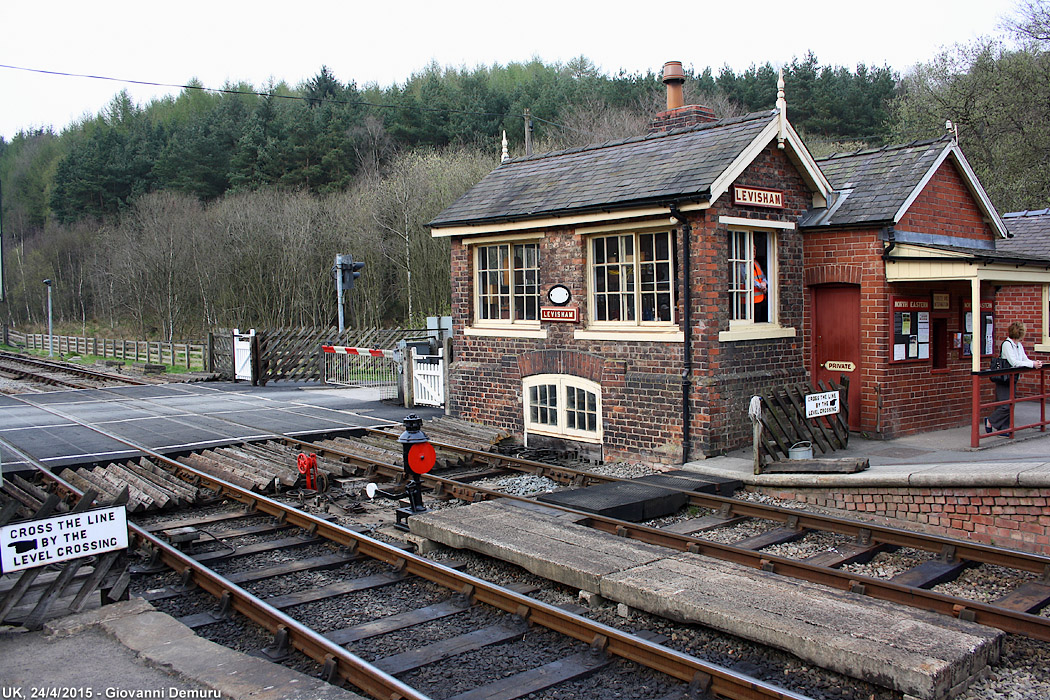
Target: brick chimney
(678,114)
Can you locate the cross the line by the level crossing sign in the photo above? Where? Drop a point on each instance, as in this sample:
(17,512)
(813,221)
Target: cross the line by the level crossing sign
(823,404)
(33,543)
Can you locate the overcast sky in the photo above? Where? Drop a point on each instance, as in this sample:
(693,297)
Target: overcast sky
(385,42)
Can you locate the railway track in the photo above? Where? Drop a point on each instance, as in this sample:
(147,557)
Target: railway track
(60,374)
(491,619)
(749,533)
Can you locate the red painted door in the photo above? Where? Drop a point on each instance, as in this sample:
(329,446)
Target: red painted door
(836,340)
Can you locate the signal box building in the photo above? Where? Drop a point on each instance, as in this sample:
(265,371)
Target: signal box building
(629,298)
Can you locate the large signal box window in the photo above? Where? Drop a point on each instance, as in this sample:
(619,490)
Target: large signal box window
(507,287)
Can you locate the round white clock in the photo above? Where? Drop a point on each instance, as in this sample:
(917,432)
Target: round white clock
(559,294)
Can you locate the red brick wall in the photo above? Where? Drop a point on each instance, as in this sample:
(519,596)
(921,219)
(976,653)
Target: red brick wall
(1004,517)
(1022,303)
(641,381)
(689,115)
(726,375)
(850,257)
(945,206)
(897,398)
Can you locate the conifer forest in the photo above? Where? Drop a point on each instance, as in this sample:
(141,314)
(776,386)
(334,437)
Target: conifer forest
(226,208)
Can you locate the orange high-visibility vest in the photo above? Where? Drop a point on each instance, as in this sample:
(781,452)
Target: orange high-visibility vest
(760,283)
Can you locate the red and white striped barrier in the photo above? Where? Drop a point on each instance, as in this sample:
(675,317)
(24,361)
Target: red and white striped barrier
(340,350)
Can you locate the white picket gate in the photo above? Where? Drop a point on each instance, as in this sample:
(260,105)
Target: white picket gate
(428,379)
(242,354)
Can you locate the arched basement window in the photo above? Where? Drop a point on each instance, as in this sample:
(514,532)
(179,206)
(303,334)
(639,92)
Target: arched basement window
(562,405)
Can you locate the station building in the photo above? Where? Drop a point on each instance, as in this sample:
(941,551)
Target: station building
(629,298)
(911,279)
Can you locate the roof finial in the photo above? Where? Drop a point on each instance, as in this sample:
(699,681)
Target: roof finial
(953,129)
(505,155)
(782,108)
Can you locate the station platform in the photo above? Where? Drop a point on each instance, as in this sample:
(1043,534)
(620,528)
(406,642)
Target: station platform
(997,494)
(940,458)
(130,650)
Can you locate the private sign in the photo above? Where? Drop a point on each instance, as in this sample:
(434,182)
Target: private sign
(824,404)
(40,542)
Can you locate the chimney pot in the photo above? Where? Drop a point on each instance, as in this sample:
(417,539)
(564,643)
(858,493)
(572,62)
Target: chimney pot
(674,78)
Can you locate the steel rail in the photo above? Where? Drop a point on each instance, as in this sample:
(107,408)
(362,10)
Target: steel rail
(22,373)
(338,661)
(878,534)
(1008,620)
(706,676)
(71,369)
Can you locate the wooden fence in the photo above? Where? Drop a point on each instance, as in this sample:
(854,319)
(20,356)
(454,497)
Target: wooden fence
(62,588)
(294,354)
(784,421)
(192,356)
(285,354)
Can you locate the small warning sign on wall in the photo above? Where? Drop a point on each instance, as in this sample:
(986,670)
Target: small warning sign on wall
(823,404)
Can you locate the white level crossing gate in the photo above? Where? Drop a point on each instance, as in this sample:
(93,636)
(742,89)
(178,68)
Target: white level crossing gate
(242,355)
(363,367)
(428,384)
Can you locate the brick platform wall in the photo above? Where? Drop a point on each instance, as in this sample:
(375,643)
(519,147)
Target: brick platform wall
(1005,517)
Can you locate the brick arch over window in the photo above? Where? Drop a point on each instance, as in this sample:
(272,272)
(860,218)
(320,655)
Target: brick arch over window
(579,364)
(831,274)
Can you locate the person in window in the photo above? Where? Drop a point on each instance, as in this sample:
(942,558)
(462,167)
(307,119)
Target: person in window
(761,288)
(1013,352)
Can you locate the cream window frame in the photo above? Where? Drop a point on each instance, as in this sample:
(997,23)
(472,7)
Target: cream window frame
(509,327)
(655,329)
(748,328)
(1043,345)
(562,383)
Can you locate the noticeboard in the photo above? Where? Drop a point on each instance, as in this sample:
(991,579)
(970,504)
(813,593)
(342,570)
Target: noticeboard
(911,329)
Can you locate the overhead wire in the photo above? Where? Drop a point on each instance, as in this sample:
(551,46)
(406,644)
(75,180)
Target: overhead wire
(255,93)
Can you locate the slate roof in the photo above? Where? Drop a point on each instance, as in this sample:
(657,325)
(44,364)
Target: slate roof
(873,184)
(1030,231)
(650,169)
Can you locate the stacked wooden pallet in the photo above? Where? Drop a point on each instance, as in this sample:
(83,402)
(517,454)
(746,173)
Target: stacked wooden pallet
(456,431)
(149,486)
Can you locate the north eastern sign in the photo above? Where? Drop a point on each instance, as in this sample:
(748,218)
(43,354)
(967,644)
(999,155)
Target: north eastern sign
(35,543)
(823,404)
(757,197)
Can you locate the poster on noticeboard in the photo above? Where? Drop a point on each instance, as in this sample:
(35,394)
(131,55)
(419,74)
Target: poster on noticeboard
(982,335)
(911,329)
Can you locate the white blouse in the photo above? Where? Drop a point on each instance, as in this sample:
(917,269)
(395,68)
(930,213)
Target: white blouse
(1013,352)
